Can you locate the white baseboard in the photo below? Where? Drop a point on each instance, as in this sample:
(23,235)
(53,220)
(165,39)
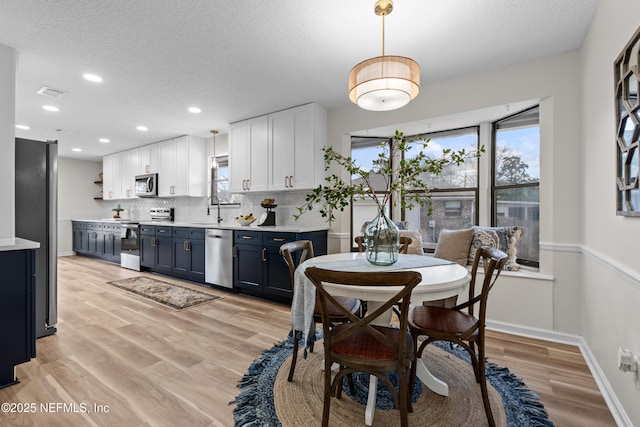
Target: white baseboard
(615,407)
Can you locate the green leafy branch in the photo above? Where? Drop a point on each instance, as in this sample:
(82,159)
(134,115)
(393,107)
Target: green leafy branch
(398,182)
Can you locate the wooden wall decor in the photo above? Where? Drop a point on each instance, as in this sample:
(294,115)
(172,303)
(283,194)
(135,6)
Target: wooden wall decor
(627,109)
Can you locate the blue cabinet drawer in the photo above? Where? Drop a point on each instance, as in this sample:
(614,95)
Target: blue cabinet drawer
(181,232)
(148,230)
(277,239)
(196,233)
(163,230)
(247,237)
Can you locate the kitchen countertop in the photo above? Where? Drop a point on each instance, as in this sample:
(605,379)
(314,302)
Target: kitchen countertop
(224,226)
(19,245)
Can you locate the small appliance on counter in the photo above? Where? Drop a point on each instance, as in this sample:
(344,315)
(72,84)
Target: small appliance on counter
(162,214)
(268,217)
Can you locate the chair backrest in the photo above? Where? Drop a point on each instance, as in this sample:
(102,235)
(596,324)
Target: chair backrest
(288,250)
(404,281)
(492,260)
(404,243)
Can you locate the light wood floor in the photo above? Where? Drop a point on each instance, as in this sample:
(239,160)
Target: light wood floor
(153,366)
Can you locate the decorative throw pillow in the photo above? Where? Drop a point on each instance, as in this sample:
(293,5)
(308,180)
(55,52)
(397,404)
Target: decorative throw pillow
(416,241)
(503,238)
(454,245)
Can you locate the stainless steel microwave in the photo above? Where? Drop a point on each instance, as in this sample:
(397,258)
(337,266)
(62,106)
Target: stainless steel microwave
(147,185)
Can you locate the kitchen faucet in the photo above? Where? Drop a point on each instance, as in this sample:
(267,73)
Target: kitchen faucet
(219,219)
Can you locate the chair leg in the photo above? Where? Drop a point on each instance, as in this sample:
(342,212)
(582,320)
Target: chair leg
(483,385)
(294,358)
(326,404)
(403,392)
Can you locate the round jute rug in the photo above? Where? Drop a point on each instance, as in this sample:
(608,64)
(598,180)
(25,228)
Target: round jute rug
(299,403)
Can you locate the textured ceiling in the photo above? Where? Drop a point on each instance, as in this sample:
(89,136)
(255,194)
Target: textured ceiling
(243,58)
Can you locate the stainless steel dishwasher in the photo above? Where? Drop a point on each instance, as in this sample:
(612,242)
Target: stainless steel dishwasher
(219,258)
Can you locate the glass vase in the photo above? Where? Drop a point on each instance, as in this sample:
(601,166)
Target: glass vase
(382,238)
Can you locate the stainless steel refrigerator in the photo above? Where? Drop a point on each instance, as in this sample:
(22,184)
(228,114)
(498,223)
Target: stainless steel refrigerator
(37,220)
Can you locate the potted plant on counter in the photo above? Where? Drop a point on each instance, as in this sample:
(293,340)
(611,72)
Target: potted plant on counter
(397,170)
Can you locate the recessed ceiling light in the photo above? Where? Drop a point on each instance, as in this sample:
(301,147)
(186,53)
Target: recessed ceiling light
(76,149)
(50,108)
(142,128)
(105,140)
(194,110)
(23,127)
(92,78)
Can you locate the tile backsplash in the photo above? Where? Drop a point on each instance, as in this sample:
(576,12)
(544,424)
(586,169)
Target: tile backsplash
(194,209)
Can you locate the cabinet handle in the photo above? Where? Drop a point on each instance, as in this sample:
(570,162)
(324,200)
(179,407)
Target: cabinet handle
(234,252)
(290,181)
(264,254)
(247,237)
(153,242)
(285,182)
(279,239)
(147,168)
(248,184)
(186,246)
(110,194)
(162,231)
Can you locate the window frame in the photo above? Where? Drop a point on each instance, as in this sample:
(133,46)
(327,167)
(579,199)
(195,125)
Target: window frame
(496,188)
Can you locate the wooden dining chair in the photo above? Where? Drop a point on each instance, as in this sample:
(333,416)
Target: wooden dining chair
(362,345)
(460,327)
(305,250)
(404,243)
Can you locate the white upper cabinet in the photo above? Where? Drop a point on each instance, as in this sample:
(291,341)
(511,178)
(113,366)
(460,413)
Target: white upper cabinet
(296,139)
(279,151)
(130,165)
(148,159)
(248,161)
(112,177)
(181,167)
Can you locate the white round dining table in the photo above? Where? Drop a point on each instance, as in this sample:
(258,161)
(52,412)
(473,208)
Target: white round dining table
(440,279)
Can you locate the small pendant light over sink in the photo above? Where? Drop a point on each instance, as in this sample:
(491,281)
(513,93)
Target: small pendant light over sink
(384,83)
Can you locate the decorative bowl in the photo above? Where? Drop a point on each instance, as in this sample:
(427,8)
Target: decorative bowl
(266,206)
(244,221)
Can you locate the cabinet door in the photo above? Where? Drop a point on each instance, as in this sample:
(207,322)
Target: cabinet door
(247,267)
(96,242)
(281,149)
(258,153)
(147,250)
(197,247)
(308,158)
(148,159)
(109,243)
(112,177)
(17,312)
(166,168)
(181,265)
(238,157)
(181,167)
(130,163)
(277,280)
(163,254)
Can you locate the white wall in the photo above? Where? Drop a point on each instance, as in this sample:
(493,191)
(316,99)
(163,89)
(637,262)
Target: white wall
(611,267)
(7,144)
(76,190)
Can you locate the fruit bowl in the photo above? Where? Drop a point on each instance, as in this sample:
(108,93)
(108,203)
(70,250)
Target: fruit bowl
(268,206)
(245,220)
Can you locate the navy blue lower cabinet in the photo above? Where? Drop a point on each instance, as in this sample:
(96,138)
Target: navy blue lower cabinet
(258,267)
(17,312)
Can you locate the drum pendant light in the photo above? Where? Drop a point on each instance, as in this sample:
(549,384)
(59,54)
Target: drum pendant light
(385,82)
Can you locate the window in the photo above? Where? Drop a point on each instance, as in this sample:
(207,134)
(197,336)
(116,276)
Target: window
(513,169)
(516,180)
(364,151)
(454,192)
(219,181)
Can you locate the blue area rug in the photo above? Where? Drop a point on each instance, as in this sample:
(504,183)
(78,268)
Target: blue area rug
(255,403)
